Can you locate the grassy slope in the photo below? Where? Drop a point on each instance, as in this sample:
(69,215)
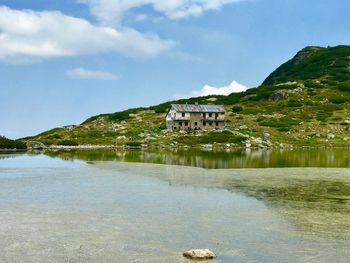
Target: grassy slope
(306,101)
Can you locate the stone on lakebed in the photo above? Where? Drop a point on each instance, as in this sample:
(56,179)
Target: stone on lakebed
(199,254)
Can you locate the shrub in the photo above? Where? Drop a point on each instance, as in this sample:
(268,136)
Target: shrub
(338,100)
(237,108)
(323,115)
(344,86)
(313,84)
(68,143)
(294,103)
(283,129)
(133,144)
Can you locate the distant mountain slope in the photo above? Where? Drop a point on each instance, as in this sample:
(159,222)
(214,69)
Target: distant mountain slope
(327,65)
(304,102)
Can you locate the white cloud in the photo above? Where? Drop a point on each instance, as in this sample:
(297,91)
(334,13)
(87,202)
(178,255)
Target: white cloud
(26,35)
(110,12)
(233,87)
(80,73)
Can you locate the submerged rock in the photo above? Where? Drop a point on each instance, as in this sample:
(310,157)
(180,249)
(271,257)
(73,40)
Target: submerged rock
(199,254)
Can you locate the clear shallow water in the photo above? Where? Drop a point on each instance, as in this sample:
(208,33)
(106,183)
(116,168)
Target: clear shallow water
(52,210)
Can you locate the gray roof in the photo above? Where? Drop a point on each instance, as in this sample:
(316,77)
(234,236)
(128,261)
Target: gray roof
(197,108)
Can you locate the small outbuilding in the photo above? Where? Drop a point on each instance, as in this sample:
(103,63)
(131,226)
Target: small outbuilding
(196,117)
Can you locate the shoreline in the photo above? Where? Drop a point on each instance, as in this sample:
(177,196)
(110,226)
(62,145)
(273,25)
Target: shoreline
(202,148)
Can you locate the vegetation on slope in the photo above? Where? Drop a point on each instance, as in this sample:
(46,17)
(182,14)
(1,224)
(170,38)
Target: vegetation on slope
(6,143)
(306,101)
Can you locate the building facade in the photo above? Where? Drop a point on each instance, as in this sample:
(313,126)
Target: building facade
(196,117)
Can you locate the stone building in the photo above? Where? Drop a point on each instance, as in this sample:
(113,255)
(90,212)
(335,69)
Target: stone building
(196,117)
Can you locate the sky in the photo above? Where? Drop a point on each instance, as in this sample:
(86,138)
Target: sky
(64,61)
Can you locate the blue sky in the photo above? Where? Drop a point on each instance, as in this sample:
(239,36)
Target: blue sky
(64,61)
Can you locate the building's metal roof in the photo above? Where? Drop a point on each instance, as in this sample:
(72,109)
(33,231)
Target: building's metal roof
(198,108)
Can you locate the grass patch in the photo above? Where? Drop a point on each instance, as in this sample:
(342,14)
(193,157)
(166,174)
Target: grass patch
(221,137)
(281,124)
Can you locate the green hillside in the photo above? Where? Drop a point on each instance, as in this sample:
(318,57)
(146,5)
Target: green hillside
(6,143)
(304,102)
(330,66)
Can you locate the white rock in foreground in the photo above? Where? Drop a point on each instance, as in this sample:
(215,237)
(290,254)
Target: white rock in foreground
(199,254)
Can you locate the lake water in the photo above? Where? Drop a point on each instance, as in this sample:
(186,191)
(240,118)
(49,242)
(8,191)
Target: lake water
(95,207)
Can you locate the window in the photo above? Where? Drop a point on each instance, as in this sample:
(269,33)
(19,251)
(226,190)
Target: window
(216,115)
(217,123)
(183,114)
(204,123)
(210,115)
(210,123)
(180,123)
(186,123)
(195,124)
(203,115)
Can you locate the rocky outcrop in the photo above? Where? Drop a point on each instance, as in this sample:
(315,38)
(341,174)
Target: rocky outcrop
(33,145)
(199,254)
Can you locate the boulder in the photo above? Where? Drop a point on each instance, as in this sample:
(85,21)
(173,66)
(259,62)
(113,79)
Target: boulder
(199,254)
(243,127)
(32,145)
(330,136)
(261,146)
(256,140)
(277,96)
(265,136)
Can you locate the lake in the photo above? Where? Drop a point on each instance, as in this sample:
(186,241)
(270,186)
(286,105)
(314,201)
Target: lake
(150,206)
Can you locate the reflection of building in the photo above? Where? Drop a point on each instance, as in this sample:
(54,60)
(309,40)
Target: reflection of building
(195,117)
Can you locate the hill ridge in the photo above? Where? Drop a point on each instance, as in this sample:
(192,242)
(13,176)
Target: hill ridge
(305,101)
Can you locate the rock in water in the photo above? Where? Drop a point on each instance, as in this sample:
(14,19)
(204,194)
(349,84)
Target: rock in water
(31,145)
(199,254)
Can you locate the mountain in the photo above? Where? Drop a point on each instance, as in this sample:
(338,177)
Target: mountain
(304,102)
(328,65)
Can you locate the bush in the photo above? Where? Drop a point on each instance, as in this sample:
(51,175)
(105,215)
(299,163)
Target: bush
(283,129)
(133,144)
(237,109)
(313,84)
(344,86)
(294,103)
(338,100)
(323,115)
(68,143)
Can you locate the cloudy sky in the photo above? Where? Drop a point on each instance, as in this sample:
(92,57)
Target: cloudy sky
(64,61)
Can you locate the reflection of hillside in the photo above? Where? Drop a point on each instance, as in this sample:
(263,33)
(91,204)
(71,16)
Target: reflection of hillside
(4,156)
(218,159)
(316,201)
(316,206)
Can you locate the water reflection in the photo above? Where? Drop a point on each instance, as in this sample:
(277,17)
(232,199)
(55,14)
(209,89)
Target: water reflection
(218,159)
(137,212)
(315,200)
